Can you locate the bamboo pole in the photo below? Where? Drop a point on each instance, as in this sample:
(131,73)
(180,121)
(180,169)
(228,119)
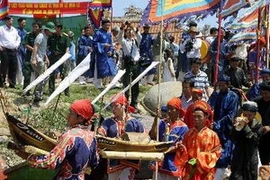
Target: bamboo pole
(159,77)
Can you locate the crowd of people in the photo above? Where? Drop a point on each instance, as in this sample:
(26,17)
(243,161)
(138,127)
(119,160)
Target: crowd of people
(216,134)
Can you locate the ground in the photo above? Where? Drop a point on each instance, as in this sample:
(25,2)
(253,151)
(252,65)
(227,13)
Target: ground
(45,119)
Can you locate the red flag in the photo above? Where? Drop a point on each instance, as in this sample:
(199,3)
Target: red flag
(3,8)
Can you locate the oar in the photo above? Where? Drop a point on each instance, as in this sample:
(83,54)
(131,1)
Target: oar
(153,64)
(47,72)
(79,70)
(112,83)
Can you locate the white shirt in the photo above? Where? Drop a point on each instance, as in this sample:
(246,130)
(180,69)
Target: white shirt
(9,37)
(128,44)
(195,51)
(210,39)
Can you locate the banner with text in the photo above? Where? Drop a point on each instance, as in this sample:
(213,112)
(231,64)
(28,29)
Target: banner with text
(49,8)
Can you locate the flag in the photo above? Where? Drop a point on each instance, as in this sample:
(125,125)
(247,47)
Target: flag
(101,3)
(249,18)
(3,9)
(95,12)
(169,9)
(231,6)
(243,37)
(95,16)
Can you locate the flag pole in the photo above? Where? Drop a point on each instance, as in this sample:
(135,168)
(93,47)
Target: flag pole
(258,46)
(159,77)
(218,49)
(267,34)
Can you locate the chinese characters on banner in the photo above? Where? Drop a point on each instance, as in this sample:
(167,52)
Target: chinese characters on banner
(48,8)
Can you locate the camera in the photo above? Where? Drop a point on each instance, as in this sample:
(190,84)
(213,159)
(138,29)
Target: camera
(189,46)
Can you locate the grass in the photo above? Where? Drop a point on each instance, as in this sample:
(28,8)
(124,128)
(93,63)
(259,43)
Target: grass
(52,118)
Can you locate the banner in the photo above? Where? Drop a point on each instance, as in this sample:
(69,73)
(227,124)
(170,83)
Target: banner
(169,9)
(48,8)
(3,8)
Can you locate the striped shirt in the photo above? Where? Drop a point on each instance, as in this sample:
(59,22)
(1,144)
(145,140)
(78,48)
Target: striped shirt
(200,81)
(186,102)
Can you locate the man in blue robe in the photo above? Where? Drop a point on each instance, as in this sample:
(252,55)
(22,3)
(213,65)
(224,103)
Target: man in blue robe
(21,51)
(85,46)
(225,106)
(104,64)
(146,54)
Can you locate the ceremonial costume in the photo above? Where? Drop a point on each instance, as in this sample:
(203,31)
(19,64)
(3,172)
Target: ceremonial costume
(264,110)
(21,54)
(111,127)
(225,107)
(245,154)
(146,53)
(204,146)
(201,147)
(189,120)
(76,148)
(175,134)
(171,130)
(85,43)
(105,64)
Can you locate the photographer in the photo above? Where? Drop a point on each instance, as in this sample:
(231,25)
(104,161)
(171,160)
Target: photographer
(192,45)
(130,38)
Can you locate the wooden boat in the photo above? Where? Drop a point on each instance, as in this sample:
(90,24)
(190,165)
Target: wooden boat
(26,135)
(129,146)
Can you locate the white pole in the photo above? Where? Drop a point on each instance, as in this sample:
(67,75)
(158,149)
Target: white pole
(159,77)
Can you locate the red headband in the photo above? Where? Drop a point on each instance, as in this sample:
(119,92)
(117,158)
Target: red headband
(83,107)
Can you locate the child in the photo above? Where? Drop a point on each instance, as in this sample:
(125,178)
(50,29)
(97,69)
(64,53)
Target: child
(168,70)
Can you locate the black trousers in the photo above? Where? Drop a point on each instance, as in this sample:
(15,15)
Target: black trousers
(132,72)
(63,69)
(8,65)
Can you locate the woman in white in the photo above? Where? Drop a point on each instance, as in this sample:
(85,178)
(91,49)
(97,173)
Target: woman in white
(168,69)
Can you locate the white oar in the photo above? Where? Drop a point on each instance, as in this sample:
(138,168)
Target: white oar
(153,64)
(47,72)
(112,83)
(78,71)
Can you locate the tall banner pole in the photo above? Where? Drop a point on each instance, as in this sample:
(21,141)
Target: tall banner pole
(258,46)
(267,34)
(218,48)
(159,77)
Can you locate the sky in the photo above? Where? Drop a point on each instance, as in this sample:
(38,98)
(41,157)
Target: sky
(120,5)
